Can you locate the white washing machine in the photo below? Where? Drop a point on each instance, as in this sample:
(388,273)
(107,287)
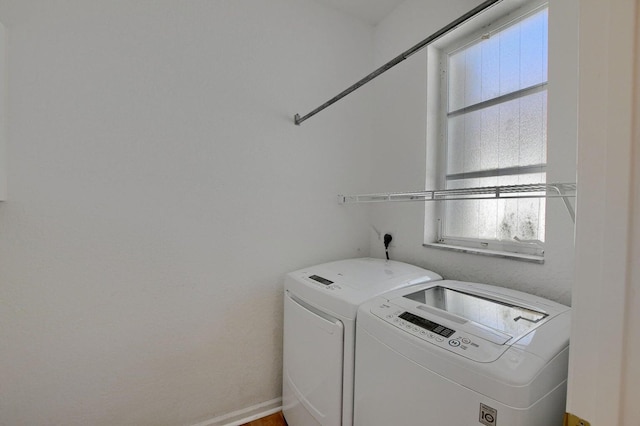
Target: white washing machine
(452,353)
(320,306)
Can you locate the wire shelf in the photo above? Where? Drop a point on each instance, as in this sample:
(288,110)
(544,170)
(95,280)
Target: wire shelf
(548,190)
(542,190)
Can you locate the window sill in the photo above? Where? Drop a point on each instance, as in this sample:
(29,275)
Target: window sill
(484,252)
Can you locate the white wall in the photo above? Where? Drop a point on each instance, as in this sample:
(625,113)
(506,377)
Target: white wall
(604,377)
(631,372)
(400,152)
(3,101)
(158,193)
(631,367)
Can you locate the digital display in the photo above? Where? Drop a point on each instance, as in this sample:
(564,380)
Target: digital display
(321,280)
(427,325)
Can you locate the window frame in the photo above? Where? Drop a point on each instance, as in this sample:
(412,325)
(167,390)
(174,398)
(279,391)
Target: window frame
(464,36)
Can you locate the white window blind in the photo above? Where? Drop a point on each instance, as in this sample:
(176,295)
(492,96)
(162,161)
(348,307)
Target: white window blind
(496,127)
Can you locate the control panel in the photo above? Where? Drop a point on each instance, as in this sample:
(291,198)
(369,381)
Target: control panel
(323,282)
(432,330)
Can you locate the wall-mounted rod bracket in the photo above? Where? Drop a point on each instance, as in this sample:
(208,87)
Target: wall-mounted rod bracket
(395,61)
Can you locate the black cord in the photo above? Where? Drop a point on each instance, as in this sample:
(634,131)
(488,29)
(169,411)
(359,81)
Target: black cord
(387,241)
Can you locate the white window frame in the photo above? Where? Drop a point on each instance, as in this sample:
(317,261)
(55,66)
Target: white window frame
(470,32)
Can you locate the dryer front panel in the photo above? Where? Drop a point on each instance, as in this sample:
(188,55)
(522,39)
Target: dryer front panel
(312,367)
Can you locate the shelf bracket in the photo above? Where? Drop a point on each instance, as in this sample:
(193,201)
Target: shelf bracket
(565,198)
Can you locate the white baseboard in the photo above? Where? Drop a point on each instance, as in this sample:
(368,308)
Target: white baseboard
(245,415)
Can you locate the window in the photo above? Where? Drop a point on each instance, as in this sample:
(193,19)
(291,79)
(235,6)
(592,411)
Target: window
(494,129)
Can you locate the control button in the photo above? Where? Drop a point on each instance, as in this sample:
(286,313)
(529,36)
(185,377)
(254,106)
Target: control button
(466,341)
(454,343)
(431,336)
(389,316)
(423,332)
(439,339)
(396,320)
(414,328)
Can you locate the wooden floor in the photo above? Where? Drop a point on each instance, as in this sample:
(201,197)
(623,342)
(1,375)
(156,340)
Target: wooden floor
(272,420)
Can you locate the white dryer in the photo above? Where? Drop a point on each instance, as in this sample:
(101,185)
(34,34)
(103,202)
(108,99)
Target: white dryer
(320,306)
(459,354)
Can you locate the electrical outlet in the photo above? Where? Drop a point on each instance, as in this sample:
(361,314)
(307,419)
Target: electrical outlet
(573,420)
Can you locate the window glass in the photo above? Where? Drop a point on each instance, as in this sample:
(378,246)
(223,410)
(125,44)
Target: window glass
(510,59)
(496,127)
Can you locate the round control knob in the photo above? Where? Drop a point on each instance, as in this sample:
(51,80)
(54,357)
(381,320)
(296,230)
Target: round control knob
(454,343)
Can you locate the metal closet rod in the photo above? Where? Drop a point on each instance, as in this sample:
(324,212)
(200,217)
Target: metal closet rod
(395,61)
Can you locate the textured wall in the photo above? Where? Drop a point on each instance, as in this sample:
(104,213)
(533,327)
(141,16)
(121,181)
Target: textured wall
(158,191)
(399,151)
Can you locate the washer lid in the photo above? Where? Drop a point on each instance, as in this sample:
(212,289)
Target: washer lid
(477,321)
(496,320)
